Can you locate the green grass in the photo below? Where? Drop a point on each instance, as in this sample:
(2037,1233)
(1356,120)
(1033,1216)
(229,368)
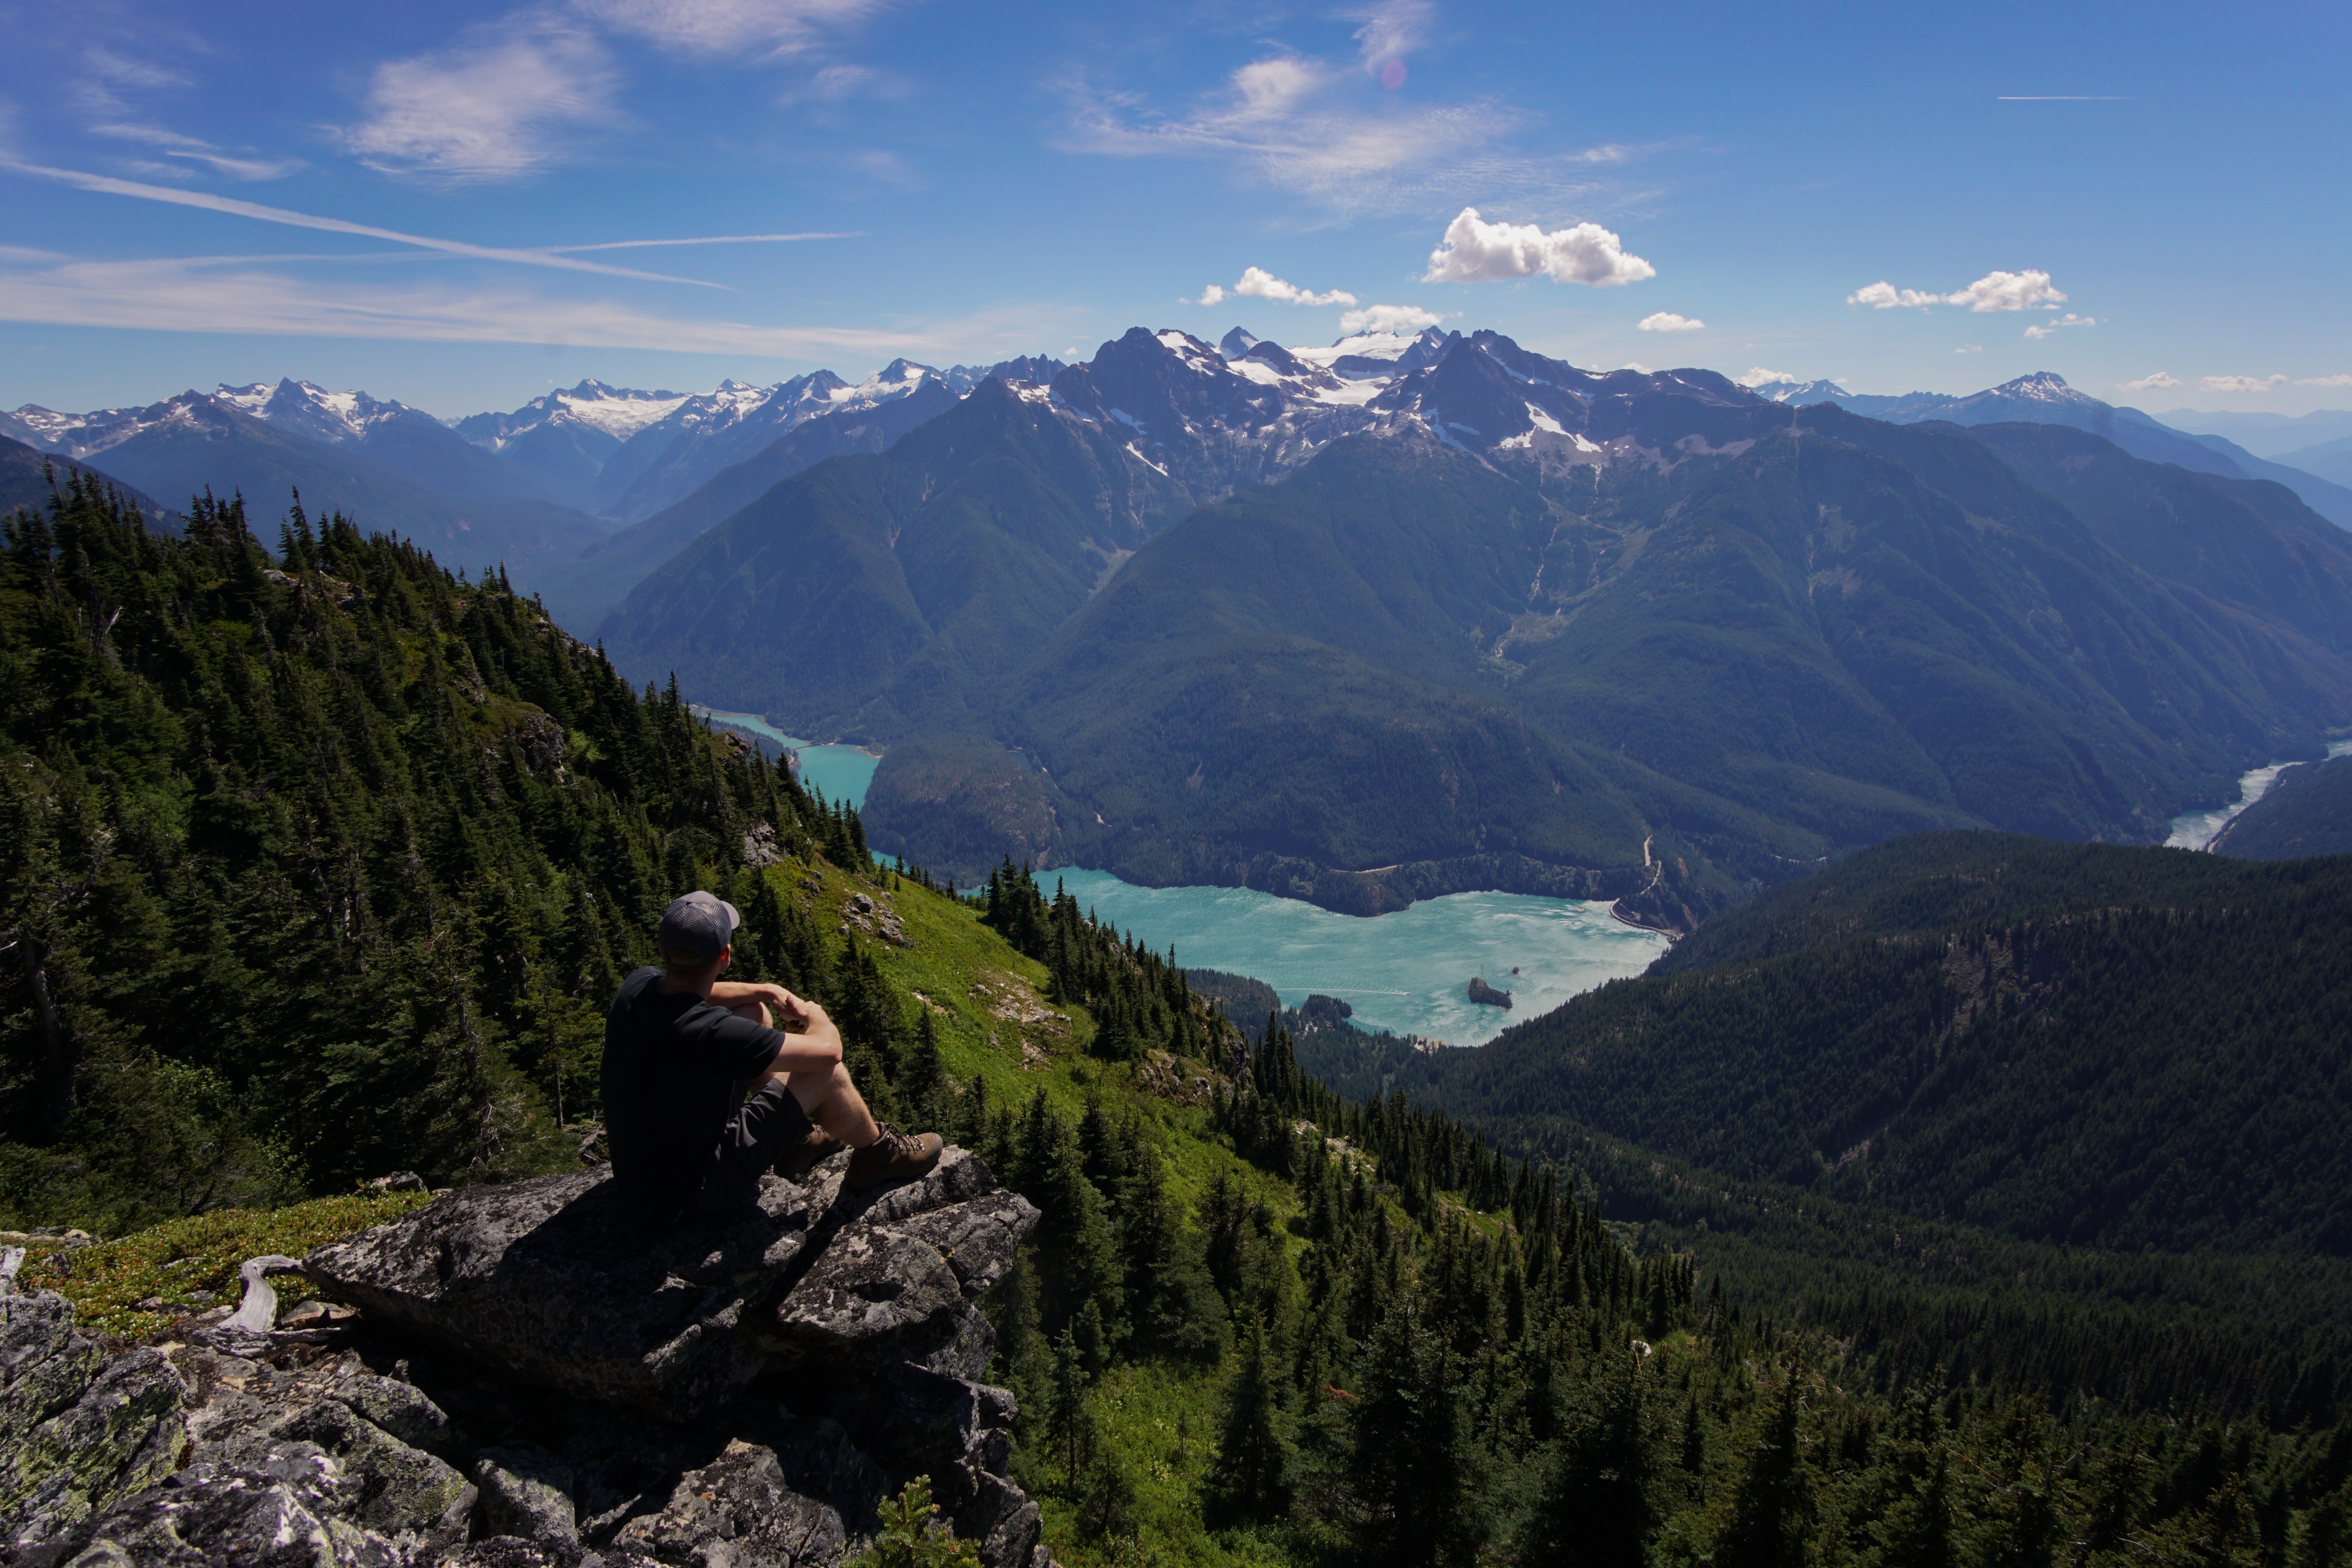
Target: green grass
(187,1265)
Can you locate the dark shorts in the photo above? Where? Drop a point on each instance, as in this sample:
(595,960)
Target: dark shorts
(771,1124)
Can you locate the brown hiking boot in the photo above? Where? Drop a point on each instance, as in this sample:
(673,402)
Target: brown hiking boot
(805,1155)
(894,1157)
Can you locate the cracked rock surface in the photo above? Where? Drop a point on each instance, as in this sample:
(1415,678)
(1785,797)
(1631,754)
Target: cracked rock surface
(525,1387)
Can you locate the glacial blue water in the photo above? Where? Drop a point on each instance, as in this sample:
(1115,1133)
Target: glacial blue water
(841,772)
(2198,830)
(1406,971)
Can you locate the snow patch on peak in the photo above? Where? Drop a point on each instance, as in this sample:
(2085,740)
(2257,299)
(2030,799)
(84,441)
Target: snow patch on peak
(617,413)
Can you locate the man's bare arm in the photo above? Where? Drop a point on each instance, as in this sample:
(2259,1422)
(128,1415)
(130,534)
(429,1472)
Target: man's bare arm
(812,1040)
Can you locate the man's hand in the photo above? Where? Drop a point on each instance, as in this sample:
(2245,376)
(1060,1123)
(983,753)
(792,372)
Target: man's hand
(733,993)
(812,1043)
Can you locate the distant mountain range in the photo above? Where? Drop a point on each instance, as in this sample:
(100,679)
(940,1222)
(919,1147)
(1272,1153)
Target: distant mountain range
(2265,434)
(1415,614)
(626,455)
(2044,398)
(1390,616)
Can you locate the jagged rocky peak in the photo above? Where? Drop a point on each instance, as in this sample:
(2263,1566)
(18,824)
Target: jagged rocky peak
(1237,343)
(523,1382)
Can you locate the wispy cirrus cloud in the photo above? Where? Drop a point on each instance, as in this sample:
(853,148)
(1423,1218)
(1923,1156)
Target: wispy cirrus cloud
(707,27)
(556,257)
(496,105)
(116,95)
(184,294)
(1319,128)
(2158,382)
(2240,382)
(2323,381)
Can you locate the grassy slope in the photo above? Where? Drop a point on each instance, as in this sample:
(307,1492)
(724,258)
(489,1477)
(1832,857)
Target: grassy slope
(1162,1418)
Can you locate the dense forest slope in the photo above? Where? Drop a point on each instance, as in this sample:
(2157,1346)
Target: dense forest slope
(313,868)
(2307,812)
(2081,1045)
(321,866)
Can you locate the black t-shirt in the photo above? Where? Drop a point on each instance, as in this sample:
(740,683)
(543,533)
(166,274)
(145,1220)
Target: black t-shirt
(675,1070)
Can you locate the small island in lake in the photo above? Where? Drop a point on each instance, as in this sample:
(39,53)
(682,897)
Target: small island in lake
(1483,993)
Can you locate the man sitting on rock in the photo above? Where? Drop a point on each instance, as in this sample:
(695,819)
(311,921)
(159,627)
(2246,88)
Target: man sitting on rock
(702,1093)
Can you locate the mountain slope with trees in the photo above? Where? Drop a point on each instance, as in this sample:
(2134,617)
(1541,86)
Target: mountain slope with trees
(2086,1046)
(323,862)
(1840,633)
(314,867)
(2307,812)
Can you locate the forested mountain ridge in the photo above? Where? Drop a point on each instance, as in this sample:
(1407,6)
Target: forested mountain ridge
(1801,634)
(2307,812)
(2081,1045)
(315,868)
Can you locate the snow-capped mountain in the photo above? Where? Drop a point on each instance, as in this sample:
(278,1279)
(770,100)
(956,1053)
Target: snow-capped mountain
(1797,393)
(626,454)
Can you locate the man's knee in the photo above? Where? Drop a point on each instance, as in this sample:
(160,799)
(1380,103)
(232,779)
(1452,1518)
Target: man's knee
(814,1089)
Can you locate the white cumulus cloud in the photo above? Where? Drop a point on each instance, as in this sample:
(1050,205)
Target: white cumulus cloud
(487,108)
(1667,321)
(2050,328)
(1884,296)
(2240,382)
(1477,251)
(1389,319)
(2008,291)
(1993,291)
(1260,284)
(1214,294)
(2156,382)
(2325,380)
(1759,376)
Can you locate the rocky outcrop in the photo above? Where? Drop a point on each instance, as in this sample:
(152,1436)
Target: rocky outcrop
(1487,995)
(523,1385)
(79,1427)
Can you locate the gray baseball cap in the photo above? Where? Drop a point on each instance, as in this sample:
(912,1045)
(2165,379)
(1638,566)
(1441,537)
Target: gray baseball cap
(701,923)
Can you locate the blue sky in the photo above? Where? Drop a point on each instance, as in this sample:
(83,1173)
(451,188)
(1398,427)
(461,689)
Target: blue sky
(411,198)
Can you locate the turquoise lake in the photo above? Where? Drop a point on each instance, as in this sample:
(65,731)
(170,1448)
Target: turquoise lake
(841,771)
(1406,970)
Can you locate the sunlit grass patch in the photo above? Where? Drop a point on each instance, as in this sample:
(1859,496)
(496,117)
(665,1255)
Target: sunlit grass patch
(186,1265)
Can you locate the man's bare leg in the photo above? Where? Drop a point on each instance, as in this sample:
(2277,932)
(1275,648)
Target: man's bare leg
(834,1105)
(833,1102)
